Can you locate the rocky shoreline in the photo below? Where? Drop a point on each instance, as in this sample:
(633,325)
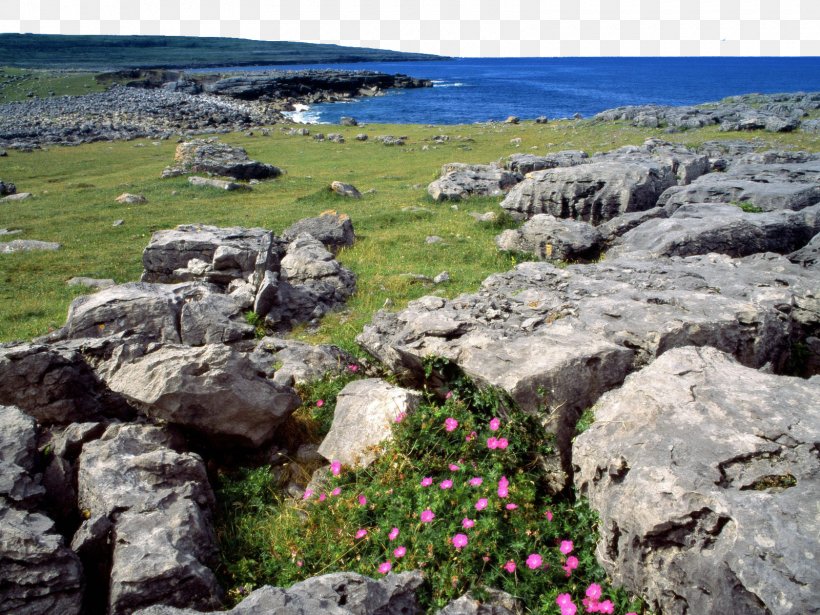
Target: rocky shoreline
(185,105)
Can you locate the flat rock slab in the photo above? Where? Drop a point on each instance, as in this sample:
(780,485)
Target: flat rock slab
(365,413)
(161,541)
(340,593)
(526,163)
(213,390)
(726,229)
(705,477)
(290,362)
(216,158)
(219,184)
(808,255)
(91,282)
(20,196)
(556,339)
(551,238)
(460,181)
(28,245)
(126,198)
(334,230)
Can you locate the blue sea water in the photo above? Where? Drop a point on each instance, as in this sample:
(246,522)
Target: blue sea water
(468,90)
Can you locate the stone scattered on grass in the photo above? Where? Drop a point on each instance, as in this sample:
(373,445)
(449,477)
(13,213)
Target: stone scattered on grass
(27,245)
(91,282)
(20,196)
(131,199)
(219,184)
(348,190)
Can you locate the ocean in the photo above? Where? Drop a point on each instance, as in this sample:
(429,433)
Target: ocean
(468,90)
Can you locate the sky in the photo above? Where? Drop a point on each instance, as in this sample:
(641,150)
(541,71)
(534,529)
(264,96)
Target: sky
(468,28)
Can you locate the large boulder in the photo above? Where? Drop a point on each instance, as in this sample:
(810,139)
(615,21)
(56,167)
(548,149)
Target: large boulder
(705,476)
(365,413)
(289,362)
(767,186)
(161,541)
(18,455)
(557,338)
(212,156)
(726,229)
(213,390)
(339,593)
(335,231)
(526,163)
(551,238)
(460,181)
(227,254)
(686,164)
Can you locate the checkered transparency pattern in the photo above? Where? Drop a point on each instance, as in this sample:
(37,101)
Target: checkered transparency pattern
(487,28)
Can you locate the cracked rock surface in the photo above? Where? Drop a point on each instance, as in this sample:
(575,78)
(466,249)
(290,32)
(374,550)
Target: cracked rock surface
(706,477)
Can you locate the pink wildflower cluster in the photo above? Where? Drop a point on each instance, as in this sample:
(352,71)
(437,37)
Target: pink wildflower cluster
(565,603)
(593,603)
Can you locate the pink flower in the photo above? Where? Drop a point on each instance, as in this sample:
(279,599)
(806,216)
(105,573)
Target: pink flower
(361,533)
(470,436)
(400,417)
(449,395)
(510,566)
(606,606)
(362,500)
(570,609)
(492,443)
(385,567)
(322,497)
(336,467)
(427,516)
(502,443)
(306,495)
(320,403)
(475,481)
(503,486)
(511,506)
(459,541)
(450,424)
(353,367)
(593,591)
(534,561)
(454,468)
(446,484)
(399,551)
(481,504)
(467,523)
(336,491)
(566,547)
(548,515)
(563,600)
(426,481)
(299,563)
(572,562)
(495,424)
(394,533)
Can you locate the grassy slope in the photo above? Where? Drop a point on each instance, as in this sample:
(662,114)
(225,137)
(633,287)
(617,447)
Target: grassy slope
(103,52)
(75,190)
(17,83)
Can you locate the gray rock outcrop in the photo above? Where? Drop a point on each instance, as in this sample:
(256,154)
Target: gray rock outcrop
(551,238)
(334,230)
(460,181)
(218,184)
(347,190)
(216,158)
(365,413)
(527,163)
(705,477)
(808,255)
(289,362)
(158,501)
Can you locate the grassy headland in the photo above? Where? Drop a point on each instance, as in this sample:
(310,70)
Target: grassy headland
(101,52)
(75,188)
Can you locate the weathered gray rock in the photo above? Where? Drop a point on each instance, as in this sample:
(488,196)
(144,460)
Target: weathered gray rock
(19,196)
(39,574)
(527,163)
(216,158)
(334,230)
(620,225)
(212,390)
(209,318)
(686,164)
(348,121)
(725,229)
(340,593)
(230,253)
(808,255)
(594,192)
(705,477)
(767,186)
(54,385)
(347,190)
(7,188)
(556,339)
(28,245)
(460,181)
(550,238)
(365,413)
(126,198)
(290,362)
(496,603)
(91,282)
(391,141)
(159,501)
(18,451)
(219,184)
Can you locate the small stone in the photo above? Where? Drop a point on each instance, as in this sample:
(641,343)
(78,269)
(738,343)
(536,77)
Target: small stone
(27,245)
(131,199)
(512,120)
(91,282)
(348,190)
(434,239)
(219,184)
(20,196)
(361,137)
(118,223)
(441,278)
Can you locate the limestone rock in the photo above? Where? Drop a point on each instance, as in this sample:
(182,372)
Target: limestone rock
(28,245)
(334,230)
(347,190)
(705,478)
(289,362)
(219,184)
(212,390)
(365,412)
(726,229)
(127,198)
(216,158)
(620,225)
(460,181)
(18,454)
(527,163)
(20,196)
(550,238)
(7,188)
(808,255)
(91,282)
(159,500)
(496,603)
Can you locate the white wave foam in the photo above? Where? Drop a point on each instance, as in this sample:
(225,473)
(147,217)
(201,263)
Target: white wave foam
(302,114)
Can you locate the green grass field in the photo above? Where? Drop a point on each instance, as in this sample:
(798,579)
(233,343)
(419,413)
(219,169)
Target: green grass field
(22,84)
(74,205)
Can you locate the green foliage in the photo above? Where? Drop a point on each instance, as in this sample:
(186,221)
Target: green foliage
(748,207)
(283,542)
(257,322)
